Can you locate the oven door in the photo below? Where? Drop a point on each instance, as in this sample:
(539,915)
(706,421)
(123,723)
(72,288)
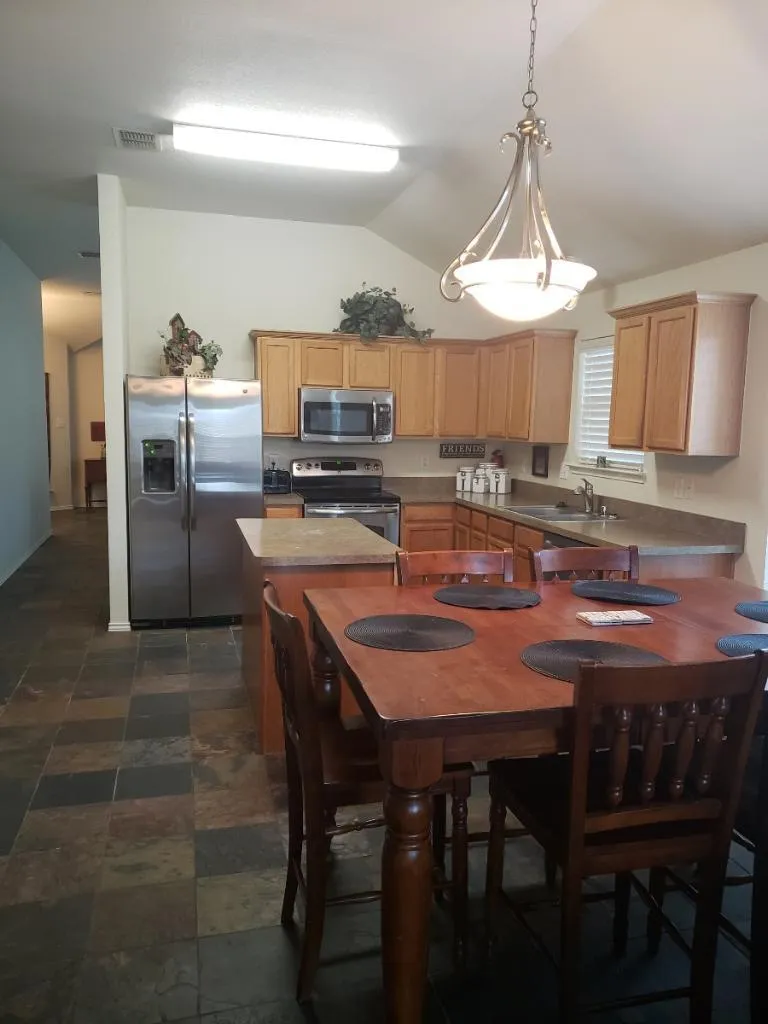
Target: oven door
(382,519)
(344,416)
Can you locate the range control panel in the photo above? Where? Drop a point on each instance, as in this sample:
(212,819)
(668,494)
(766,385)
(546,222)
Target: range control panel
(317,466)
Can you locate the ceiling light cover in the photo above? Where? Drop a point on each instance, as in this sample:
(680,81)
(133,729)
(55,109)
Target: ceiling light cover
(541,280)
(284,149)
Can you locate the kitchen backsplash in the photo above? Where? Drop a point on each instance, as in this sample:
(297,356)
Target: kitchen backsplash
(400,458)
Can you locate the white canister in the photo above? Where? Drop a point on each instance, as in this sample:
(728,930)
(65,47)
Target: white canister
(480,484)
(464,480)
(500,482)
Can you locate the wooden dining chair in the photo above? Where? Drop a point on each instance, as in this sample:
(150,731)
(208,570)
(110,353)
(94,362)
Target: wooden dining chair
(585,563)
(416,568)
(329,767)
(656,782)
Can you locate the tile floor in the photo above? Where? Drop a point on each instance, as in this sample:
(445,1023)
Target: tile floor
(142,842)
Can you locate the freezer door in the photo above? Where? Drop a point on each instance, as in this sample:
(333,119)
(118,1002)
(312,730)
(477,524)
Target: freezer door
(158,547)
(225,484)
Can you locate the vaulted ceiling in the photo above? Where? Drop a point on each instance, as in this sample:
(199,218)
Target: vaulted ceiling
(657,112)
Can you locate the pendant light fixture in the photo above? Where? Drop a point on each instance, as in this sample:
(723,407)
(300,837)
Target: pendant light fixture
(541,280)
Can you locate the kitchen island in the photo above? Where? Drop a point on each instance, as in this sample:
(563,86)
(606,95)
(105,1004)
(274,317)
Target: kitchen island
(296,555)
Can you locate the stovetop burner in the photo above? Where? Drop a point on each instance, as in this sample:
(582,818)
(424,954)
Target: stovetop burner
(340,481)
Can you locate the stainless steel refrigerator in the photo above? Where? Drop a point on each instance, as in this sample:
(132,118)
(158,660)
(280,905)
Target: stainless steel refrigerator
(194,466)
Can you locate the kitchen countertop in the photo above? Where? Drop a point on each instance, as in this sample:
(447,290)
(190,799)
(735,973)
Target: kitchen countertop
(283,499)
(286,542)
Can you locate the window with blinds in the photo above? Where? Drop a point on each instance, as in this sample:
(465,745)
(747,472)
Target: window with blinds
(595,369)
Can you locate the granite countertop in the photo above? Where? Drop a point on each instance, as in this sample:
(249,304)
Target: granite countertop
(651,536)
(283,499)
(285,542)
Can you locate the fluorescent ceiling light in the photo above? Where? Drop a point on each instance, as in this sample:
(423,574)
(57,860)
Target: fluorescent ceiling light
(284,149)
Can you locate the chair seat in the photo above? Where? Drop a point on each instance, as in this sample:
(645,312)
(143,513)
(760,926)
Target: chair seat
(537,791)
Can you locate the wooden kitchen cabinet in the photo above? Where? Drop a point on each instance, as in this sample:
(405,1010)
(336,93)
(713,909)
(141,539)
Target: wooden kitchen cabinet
(370,366)
(322,363)
(427,527)
(414,391)
(496,398)
(526,540)
(520,389)
(461,531)
(458,384)
(277,370)
(679,367)
(283,511)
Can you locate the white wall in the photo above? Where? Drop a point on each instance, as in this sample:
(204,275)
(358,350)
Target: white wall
(416,457)
(86,387)
(25,520)
(114,315)
(57,367)
(726,488)
(229,275)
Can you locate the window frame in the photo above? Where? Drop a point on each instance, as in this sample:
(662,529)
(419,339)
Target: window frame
(620,471)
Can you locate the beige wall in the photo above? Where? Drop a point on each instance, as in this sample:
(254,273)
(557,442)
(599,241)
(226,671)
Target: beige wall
(57,367)
(86,404)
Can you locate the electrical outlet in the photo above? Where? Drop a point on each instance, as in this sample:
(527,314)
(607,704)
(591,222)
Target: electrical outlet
(425,462)
(564,471)
(677,487)
(688,488)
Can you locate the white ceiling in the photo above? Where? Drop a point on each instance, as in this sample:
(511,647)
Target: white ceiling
(656,111)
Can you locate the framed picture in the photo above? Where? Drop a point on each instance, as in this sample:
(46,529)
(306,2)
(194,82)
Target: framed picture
(540,460)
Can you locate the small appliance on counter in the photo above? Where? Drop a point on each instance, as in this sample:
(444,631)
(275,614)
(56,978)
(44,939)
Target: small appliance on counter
(276,481)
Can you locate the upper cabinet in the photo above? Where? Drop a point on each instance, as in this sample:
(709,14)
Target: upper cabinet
(414,390)
(527,392)
(277,369)
(458,389)
(322,363)
(678,377)
(370,366)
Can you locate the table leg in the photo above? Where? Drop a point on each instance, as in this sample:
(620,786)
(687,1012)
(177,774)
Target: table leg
(327,683)
(759,957)
(407,876)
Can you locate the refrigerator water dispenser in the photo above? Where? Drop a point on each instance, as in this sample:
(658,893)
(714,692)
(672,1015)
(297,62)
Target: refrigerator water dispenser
(158,467)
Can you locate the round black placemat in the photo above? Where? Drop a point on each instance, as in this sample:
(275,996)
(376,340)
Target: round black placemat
(561,659)
(624,592)
(736,644)
(757,610)
(410,632)
(465,595)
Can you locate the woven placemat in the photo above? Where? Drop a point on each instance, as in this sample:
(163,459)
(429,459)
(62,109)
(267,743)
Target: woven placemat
(757,610)
(410,632)
(736,644)
(561,659)
(483,595)
(624,592)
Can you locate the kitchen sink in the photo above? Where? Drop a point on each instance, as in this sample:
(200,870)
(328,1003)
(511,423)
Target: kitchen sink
(556,514)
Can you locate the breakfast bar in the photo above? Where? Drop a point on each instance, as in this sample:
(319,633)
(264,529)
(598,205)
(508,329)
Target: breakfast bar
(298,554)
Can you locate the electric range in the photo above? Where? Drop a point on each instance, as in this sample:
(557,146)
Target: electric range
(335,488)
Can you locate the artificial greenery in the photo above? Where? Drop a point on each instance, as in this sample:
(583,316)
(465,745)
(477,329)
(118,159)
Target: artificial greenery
(378,313)
(184,343)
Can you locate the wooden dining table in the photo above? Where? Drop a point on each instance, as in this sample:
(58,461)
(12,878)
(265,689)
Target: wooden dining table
(480,702)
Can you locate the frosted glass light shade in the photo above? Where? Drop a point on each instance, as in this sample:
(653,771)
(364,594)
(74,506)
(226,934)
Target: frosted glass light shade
(509,288)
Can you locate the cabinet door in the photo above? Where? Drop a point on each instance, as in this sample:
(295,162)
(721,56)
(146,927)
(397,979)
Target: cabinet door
(461,537)
(322,364)
(670,356)
(279,385)
(283,512)
(522,569)
(630,372)
(458,382)
(520,388)
(497,399)
(415,391)
(427,537)
(369,366)
(478,541)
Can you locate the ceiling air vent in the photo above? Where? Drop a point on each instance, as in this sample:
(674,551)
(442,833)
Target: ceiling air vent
(89,254)
(127,138)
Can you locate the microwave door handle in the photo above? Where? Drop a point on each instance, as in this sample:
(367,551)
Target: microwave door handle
(374,420)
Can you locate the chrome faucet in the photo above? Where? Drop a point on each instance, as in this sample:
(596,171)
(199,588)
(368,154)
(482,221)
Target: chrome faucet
(588,491)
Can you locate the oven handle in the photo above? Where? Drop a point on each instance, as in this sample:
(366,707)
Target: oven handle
(340,510)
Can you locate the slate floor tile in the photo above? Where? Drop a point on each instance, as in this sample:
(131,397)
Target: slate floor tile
(214,700)
(152,781)
(236,903)
(232,772)
(224,680)
(216,723)
(153,861)
(152,726)
(159,704)
(62,826)
(53,874)
(29,737)
(227,851)
(82,757)
(22,764)
(176,683)
(97,707)
(105,687)
(142,986)
(161,750)
(227,978)
(75,788)
(221,808)
(143,916)
(37,992)
(222,744)
(152,818)
(47,931)
(26,712)
(95,672)
(155,666)
(91,731)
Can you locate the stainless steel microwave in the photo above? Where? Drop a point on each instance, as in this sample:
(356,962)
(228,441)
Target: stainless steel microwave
(345,416)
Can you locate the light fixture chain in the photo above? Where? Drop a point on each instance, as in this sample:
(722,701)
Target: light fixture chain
(530,96)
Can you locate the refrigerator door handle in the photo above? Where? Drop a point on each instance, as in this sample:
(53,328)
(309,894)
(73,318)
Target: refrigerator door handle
(181,469)
(192,478)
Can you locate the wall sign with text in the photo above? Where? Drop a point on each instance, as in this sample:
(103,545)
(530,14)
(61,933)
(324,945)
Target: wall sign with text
(461,450)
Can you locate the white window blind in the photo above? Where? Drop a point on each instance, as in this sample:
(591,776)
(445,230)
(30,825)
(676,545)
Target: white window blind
(595,369)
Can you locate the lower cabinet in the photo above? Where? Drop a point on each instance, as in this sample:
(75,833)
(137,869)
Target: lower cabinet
(283,511)
(526,540)
(427,527)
